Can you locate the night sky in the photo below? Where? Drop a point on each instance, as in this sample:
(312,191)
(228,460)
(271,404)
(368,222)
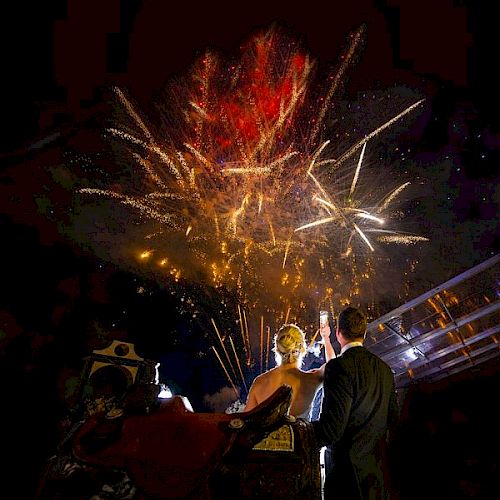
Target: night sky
(59,300)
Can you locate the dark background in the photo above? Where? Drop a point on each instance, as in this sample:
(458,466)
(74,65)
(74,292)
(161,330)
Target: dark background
(58,301)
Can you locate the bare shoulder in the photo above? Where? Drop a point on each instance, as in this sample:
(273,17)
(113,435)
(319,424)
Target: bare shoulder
(317,372)
(258,379)
(263,377)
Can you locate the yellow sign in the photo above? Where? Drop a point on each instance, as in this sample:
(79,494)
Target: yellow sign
(279,440)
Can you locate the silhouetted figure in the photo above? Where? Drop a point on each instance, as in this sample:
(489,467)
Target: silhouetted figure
(359,406)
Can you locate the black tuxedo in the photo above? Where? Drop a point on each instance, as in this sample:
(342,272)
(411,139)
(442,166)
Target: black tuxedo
(359,405)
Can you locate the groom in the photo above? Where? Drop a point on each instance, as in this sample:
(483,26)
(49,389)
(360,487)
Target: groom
(359,407)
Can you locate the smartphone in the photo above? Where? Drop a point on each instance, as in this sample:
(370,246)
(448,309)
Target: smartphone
(323,318)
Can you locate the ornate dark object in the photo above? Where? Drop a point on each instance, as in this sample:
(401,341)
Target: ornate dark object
(167,451)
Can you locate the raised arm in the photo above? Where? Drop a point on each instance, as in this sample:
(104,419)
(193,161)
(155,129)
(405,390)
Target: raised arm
(325,335)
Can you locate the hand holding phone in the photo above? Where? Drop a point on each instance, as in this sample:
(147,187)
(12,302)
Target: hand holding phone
(323,318)
(323,322)
(324,329)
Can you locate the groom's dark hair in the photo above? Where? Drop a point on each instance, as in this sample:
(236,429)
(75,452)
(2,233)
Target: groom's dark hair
(352,324)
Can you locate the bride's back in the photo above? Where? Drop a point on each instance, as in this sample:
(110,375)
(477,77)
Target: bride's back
(304,386)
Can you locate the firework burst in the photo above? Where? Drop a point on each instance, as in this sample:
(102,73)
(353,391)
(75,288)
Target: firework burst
(238,186)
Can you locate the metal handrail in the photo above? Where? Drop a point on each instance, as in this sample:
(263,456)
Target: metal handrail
(422,298)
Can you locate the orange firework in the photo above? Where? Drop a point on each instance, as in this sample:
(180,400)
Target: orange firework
(239,183)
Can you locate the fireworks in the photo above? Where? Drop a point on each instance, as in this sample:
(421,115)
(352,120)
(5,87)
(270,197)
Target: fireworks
(237,185)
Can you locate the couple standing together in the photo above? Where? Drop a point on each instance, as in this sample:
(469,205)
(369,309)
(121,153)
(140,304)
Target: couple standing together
(358,410)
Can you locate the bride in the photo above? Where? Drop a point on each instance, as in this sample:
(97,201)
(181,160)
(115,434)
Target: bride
(289,349)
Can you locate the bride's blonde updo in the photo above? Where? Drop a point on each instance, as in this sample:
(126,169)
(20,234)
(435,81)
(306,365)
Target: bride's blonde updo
(289,345)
